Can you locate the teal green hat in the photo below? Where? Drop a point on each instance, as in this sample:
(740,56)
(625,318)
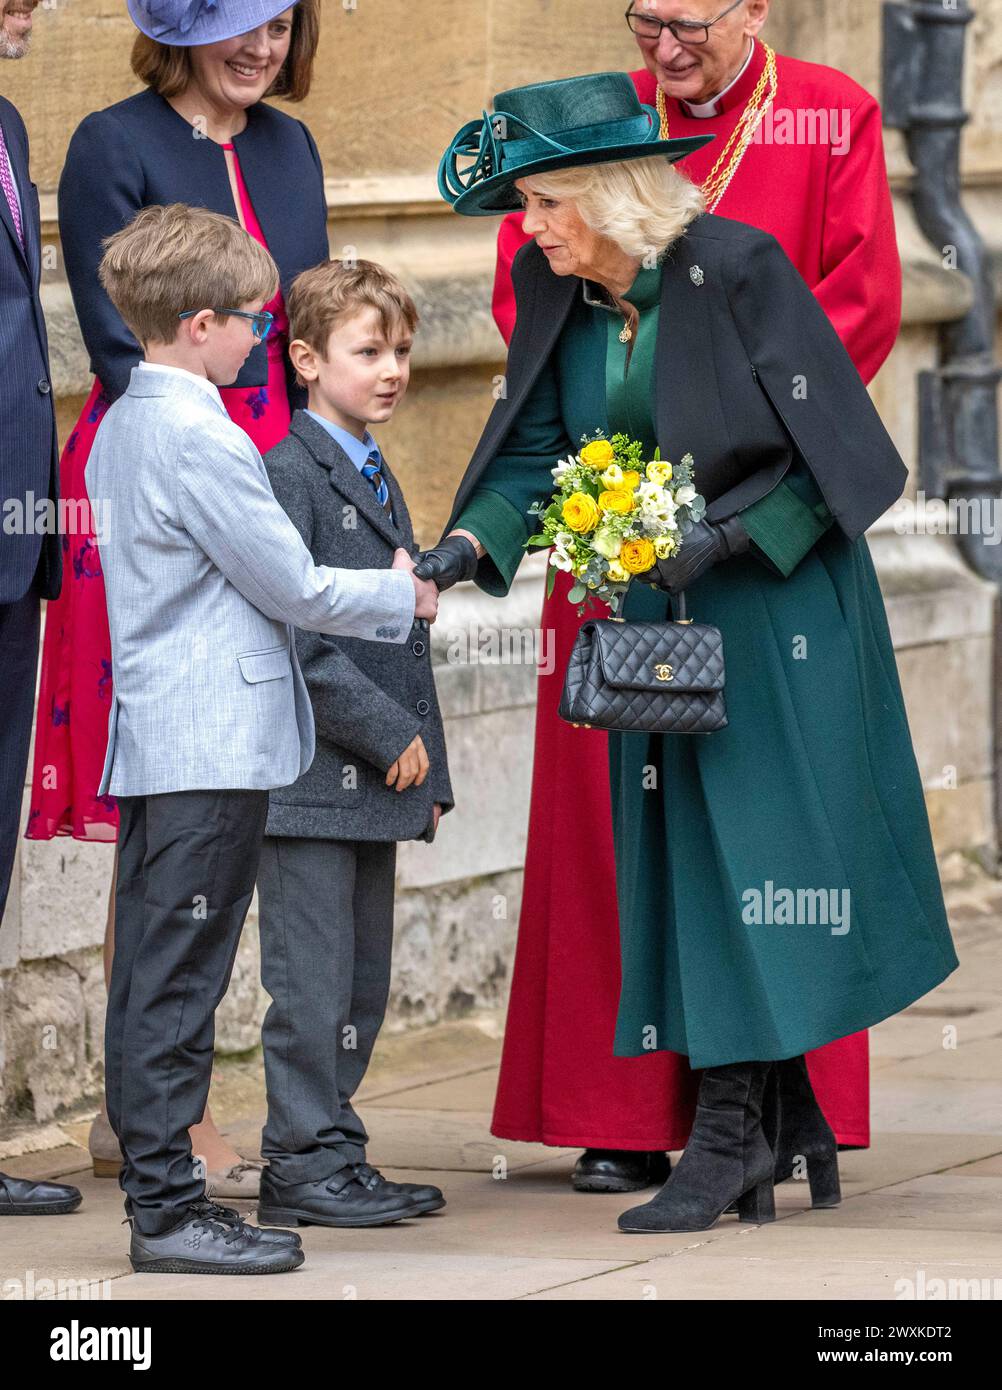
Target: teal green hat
(596,119)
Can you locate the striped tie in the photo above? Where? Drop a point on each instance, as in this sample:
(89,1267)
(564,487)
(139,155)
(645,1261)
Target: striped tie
(372,471)
(7,184)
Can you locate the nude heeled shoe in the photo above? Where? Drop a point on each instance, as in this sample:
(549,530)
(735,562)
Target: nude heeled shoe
(103,1147)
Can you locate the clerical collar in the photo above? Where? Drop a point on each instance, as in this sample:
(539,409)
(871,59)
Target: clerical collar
(716,104)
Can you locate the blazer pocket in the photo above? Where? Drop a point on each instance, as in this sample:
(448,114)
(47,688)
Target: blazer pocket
(270,665)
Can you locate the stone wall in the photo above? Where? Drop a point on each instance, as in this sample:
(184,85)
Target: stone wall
(394,81)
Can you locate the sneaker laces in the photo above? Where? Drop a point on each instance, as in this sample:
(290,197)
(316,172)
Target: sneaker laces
(220,1221)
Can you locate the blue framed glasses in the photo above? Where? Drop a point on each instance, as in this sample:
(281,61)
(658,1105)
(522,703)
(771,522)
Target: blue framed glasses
(260,322)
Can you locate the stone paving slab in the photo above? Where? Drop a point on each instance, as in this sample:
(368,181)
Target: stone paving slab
(918,1103)
(368,1275)
(940,1202)
(970,1059)
(471,1091)
(983,1167)
(738,1277)
(915,1034)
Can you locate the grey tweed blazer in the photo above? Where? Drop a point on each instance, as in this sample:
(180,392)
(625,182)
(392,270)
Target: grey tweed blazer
(369,701)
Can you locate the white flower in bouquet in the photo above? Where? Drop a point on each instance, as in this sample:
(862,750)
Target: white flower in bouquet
(561,558)
(607,542)
(685,494)
(657,502)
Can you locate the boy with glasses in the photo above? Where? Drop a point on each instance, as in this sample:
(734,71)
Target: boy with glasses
(204,575)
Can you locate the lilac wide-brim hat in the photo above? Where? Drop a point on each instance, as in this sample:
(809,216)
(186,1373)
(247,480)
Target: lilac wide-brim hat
(185,23)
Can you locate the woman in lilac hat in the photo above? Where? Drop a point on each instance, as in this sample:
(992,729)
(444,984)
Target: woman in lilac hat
(200,132)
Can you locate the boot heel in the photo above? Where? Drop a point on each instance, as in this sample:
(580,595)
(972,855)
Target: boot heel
(758,1204)
(822,1175)
(106,1167)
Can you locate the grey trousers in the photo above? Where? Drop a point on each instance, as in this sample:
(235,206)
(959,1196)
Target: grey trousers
(186,868)
(326,914)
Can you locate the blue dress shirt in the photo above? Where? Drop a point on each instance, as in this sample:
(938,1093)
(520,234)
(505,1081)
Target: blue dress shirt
(360,451)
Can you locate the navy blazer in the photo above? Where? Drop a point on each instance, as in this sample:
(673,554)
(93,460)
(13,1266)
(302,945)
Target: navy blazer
(140,152)
(29,458)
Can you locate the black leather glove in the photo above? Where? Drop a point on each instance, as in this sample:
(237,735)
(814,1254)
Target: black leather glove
(453,559)
(706,544)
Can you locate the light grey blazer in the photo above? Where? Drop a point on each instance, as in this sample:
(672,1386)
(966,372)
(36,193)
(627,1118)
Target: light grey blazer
(204,574)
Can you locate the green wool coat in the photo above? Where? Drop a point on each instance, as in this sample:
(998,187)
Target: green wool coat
(776,879)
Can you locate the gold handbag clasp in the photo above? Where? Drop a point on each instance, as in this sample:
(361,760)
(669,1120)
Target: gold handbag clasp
(664,672)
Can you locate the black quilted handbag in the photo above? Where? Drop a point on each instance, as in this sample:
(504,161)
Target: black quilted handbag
(663,678)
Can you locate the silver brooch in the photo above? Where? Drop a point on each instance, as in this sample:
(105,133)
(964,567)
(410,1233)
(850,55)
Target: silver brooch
(696,274)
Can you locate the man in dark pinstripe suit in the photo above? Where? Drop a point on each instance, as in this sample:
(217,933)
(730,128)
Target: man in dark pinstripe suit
(30,564)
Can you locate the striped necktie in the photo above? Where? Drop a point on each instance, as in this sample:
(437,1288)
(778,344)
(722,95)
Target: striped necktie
(373,471)
(7,184)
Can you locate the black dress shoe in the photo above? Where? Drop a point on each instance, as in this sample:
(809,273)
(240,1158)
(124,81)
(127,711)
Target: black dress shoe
(619,1170)
(340,1200)
(205,1244)
(424,1197)
(18,1197)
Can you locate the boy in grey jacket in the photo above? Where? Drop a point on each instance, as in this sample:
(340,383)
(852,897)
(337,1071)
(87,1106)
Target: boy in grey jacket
(326,879)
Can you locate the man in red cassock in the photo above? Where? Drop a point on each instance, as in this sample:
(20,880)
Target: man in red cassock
(806,163)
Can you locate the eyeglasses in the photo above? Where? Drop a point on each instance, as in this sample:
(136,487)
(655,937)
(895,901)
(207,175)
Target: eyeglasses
(684,30)
(260,322)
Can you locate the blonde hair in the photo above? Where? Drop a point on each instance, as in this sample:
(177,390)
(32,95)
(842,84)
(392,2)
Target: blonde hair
(640,204)
(168,69)
(173,258)
(334,290)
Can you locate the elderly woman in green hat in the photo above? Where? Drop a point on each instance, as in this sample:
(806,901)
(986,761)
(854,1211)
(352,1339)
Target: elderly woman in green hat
(638,312)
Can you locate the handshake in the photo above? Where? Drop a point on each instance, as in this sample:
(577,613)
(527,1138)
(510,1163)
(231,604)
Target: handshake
(454,558)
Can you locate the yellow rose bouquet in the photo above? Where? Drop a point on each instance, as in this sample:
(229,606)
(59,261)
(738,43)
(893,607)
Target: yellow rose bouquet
(613,515)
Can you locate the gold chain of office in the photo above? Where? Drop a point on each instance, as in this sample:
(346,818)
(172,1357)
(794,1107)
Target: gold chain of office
(719,178)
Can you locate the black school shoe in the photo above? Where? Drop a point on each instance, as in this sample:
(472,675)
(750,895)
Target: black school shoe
(619,1170)
(424,1197)
(18,1197)
(205,1243)
(338,1200)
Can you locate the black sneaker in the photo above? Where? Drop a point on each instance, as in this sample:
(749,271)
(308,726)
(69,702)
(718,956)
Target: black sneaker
(207,1244)
(425,1197)
(229,1216)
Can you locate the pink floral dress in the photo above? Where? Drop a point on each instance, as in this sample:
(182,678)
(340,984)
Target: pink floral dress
(74,699)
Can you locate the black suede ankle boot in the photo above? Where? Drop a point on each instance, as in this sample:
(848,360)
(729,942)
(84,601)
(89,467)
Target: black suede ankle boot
(727,1158)
(803,1135)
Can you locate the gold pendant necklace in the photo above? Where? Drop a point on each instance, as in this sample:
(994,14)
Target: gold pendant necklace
(625,333)
(719,178)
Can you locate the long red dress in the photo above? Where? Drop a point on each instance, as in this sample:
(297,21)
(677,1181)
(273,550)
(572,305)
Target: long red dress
(559,1082)
(71,735)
